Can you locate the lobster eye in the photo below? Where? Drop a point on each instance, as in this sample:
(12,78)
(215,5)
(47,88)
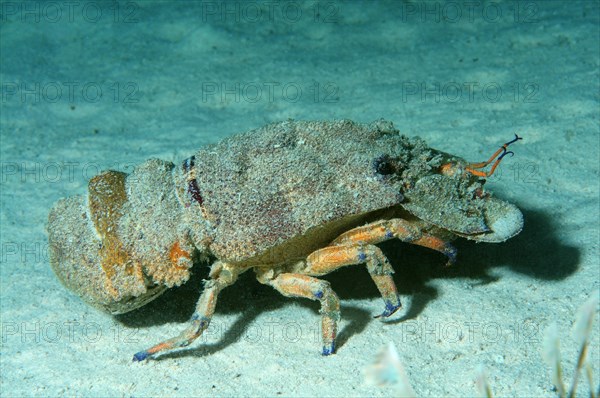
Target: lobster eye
(383,165)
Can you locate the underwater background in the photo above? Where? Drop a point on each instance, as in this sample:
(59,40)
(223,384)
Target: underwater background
(90,86)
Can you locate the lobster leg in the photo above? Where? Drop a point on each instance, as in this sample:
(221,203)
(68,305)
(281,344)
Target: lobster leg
(296,285)
(222,275)
(357,246)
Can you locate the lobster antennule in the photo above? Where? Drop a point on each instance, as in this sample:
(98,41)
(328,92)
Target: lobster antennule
(473,167)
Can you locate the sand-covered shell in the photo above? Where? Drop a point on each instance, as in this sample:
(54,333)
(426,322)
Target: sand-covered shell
(266,197)
(116,258)
(284,190)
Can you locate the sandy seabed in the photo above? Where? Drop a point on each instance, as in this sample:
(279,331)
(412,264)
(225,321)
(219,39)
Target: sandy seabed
(89,86)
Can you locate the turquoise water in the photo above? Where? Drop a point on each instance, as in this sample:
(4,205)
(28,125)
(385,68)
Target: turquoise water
(93,86)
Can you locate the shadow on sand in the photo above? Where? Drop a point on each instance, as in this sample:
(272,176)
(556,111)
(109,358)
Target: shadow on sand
(535,253)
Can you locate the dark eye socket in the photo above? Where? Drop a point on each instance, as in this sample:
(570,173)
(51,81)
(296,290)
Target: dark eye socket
(383,165)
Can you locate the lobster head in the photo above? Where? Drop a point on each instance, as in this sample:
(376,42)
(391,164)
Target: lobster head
(452,197)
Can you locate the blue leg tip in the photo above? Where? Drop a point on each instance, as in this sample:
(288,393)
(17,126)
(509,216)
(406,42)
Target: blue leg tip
(451,252)
(389,309)
(140,356)
(328,350)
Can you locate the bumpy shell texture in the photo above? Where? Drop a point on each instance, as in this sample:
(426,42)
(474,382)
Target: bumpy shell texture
(268,186)
(268,196)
